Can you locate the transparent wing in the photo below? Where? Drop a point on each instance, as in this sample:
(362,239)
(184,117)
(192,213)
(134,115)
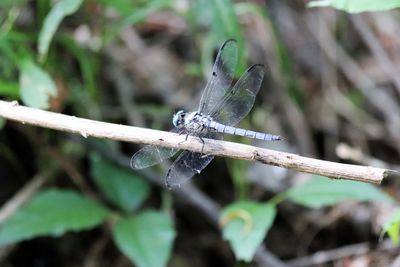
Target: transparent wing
(185,166)
(151,155)
(221,76)
(188,164)
(238,101)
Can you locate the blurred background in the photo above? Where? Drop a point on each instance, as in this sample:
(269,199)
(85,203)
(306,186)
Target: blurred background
(332,90)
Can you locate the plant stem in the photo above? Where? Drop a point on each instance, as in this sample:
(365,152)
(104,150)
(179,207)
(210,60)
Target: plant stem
(86,128)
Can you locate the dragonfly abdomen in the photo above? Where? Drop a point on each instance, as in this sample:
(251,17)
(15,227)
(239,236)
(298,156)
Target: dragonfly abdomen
(221,128)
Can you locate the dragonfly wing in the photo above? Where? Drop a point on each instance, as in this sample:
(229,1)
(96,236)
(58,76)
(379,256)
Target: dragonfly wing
(221,76)
(151,155)
(188,164)
(185,166)
(238,101)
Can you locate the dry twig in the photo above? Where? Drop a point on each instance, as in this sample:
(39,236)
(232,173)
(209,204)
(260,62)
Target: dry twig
(325,256)
(85,127)
(22,196)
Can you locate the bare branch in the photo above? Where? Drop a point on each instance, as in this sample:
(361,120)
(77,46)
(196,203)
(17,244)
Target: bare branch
(86,128)
(22,196)
(325,256)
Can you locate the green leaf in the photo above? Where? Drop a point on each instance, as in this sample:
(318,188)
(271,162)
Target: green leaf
(287,70)
(193,69)
(238,171)
(10,89)
(146,239)
(59,11)
(52,212)
(2,123)
(8,57)
(88,63)
(136,15)
(322,191)
(356,6)
(139,14)
(120,6)
(8,3)
(356,98)
(220,17)
(121,187)
(392,227)
(245,225)
(36,86)
(225,20)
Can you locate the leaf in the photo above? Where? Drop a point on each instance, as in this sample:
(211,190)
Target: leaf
(146,239)
(53,19)
(2,123)
(36,86)
(135,15)
(10,89)
(8,3)
(356,6)
(143,12)
(287,70)
(120,6)
(8,53)
(52,212)
(220,16)
(322,191)
(238,171)
(245,225)
(121,187)
(392,227)
(223,22)
(88,64)
(356,98)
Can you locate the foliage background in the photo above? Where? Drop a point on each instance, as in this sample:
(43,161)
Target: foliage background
(332,91)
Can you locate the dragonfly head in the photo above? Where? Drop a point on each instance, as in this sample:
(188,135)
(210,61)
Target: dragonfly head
(179,119)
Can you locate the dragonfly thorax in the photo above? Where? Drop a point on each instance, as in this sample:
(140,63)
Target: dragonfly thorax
(194,122)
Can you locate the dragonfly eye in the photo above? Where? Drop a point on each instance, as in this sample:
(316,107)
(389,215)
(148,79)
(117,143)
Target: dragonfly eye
(179,118)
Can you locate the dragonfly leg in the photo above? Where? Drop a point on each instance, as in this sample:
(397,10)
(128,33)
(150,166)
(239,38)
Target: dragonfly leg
(186,138)
(202,148)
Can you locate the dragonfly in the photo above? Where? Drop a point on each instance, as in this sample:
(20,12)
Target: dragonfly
(221,107)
